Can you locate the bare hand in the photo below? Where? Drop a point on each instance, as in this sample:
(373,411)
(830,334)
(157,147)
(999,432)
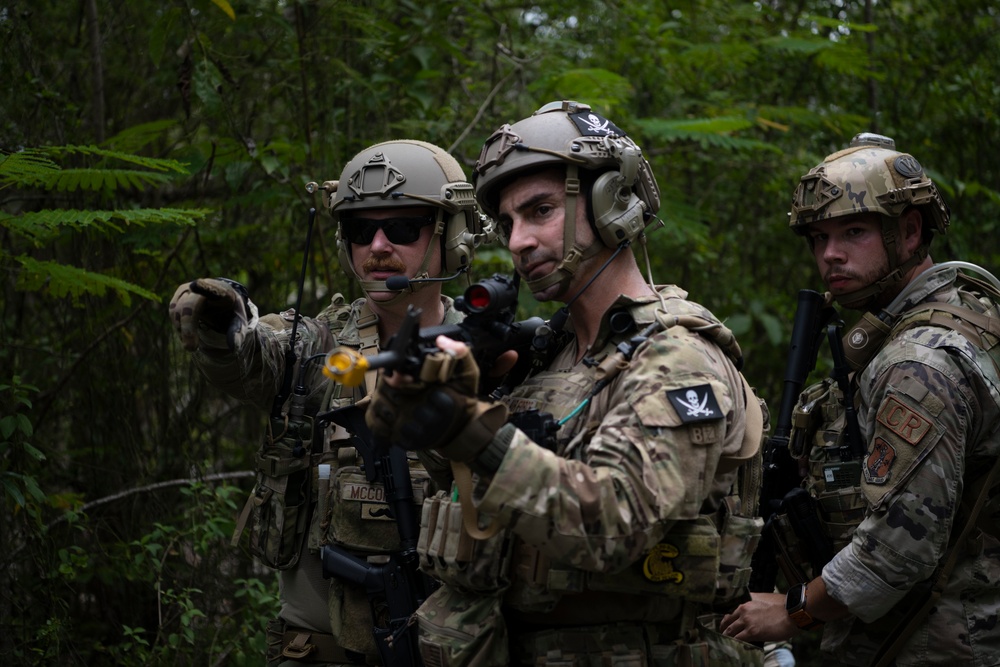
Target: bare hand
(762,619)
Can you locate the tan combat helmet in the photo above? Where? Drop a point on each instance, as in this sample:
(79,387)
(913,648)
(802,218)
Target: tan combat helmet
(870,176)
(624,197)
(406,173)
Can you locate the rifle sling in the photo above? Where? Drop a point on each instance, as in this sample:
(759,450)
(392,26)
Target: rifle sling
(470,513)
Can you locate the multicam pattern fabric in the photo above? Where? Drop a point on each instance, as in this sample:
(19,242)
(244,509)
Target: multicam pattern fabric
(611,527)
(929,409)
(253,374)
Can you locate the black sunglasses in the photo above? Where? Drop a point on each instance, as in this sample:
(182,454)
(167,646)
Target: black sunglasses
(403,230)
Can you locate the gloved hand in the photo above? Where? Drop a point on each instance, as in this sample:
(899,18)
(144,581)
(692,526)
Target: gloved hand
(439,410)
(209,305)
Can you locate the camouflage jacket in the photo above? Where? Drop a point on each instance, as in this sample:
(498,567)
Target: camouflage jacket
(929,406)
(254,374)
(630,468)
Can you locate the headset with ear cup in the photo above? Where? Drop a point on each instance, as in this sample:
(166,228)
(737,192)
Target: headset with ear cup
(618,212)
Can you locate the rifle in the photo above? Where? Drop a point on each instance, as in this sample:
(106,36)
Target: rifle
(394,584)
(489,328)
(781,490)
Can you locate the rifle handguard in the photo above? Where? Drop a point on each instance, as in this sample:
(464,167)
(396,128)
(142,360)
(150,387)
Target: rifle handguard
(346,366)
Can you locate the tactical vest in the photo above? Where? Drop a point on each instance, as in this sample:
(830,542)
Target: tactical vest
(705,560)
(311,490)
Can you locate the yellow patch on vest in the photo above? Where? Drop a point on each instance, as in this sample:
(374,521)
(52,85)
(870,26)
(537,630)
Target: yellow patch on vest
(902,420)
(658,565)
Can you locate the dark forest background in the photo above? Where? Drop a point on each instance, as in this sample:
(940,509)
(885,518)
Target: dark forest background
(143,144)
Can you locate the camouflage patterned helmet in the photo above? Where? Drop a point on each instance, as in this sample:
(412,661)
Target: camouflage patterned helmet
(624,197)
(871,176)
(407,173)
(868,177)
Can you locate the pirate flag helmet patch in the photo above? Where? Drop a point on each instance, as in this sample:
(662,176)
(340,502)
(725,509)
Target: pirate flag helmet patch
(695,404)
(591,124)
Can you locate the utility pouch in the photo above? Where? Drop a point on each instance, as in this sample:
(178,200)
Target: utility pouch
(738,538)
(707,647)
(278,507)
(447,552)
(462,628)
(358,515)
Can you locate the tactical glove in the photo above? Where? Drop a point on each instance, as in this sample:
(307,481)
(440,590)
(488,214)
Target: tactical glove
(210,313)
(439,410)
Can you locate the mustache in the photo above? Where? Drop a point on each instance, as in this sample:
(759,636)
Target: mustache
(840,273)
(382,264)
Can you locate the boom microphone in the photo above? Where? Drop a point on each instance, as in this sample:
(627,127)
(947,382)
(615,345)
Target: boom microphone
(400,283)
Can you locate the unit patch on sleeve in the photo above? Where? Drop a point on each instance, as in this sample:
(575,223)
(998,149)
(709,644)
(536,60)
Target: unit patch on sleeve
(695,404)
(903,420)
(878,465)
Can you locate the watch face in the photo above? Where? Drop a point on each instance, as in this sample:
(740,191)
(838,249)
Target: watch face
(795,598)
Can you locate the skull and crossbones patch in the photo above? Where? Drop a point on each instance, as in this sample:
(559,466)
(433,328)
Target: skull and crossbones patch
(695,404)
(591,124)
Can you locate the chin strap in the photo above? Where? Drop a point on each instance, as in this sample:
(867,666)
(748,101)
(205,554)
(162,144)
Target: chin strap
(863,298)
(572,253)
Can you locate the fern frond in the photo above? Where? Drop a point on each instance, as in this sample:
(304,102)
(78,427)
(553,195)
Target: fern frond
(24,167)
(156,164)
(828,22)
(851,60)
(60,280)
(138,136)
(70,180)
(708,132)
(806,45)
(694,126)
(42,227)
(809,118)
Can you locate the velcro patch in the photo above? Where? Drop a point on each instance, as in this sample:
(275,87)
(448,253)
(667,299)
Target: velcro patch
(591,124)
(363,492)
(903,420)
(706,434)
(878,465)
(659,565)
(695,404)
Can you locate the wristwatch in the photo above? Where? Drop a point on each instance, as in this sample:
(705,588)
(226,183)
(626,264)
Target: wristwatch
(795,605)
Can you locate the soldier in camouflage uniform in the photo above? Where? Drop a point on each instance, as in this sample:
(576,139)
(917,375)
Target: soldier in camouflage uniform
(402,208)
(918,579)
(619,531)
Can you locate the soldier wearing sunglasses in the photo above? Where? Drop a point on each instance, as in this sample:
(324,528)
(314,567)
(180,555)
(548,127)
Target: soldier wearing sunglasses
(402,208)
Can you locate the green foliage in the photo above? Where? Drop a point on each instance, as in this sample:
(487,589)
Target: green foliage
(16,451)
(43,227)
